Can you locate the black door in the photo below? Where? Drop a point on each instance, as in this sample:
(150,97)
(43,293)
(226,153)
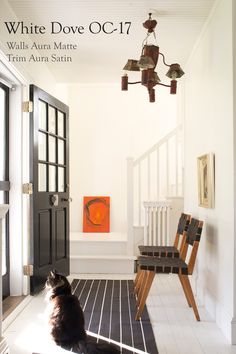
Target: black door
(4,184)
(49,173)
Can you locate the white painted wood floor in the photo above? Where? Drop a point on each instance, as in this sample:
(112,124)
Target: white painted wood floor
(174,325)
(176,330)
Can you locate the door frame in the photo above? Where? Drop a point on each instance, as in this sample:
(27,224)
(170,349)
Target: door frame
(6,276)
(18,145)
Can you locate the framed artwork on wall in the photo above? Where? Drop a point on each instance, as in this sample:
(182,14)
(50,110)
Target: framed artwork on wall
(206,180)
(96,214)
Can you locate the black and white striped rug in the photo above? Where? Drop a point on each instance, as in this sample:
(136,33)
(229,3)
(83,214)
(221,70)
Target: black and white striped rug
(109,310)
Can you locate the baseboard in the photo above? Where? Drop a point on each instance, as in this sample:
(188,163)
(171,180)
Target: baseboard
(219,314)
(233,331)
(223,321)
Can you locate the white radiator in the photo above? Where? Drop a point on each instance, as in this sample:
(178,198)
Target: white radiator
(157,223)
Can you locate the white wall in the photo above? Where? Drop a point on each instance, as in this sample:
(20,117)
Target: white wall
(107,126)
(208,128)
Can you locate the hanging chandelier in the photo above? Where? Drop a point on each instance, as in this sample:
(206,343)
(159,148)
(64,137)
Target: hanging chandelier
(147,65)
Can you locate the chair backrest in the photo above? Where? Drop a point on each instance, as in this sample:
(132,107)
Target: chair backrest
(183,224)
(192,239)
(194,231)
(184,221)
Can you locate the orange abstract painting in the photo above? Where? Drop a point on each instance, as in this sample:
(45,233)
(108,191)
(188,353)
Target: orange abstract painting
(96,214)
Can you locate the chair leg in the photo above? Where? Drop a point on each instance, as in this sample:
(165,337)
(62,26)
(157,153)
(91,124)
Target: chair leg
(139,281)
(191,296)
(141,288)
(184,289)
(137,278)
(144,294)
(141,285)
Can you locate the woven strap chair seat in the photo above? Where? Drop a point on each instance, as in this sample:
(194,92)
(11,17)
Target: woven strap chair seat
(159,251)
(163,265)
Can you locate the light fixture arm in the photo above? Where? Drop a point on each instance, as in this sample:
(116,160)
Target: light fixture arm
(159,83)
(164,59)
(135,82)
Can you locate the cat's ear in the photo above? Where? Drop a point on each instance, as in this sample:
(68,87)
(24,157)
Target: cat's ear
(53,273)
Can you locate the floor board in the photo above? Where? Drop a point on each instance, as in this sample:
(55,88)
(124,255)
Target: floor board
(9,304)
(175,328)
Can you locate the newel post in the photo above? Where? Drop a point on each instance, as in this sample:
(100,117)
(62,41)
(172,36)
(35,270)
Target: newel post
(130,206)
(3,345)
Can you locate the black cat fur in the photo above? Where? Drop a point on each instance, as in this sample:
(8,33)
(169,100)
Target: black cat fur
(66,319)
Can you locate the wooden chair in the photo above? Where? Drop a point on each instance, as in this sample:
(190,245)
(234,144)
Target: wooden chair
(150,265)
(168,251)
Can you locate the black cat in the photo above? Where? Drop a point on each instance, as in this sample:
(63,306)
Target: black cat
(66,319)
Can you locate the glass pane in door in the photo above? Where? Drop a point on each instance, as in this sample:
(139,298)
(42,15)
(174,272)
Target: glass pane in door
(61,152)
(52,149)
(42,177)
(42,147)
(42,115)
(61,179)
(52,179)
(60,124)
(51,120)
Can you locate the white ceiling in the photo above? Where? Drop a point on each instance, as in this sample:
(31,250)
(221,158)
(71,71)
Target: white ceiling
(101,57)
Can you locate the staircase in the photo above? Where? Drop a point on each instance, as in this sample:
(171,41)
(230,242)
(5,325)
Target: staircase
(155,177)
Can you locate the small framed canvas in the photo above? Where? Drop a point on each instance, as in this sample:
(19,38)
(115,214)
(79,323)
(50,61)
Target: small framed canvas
(206,180)
(96,214)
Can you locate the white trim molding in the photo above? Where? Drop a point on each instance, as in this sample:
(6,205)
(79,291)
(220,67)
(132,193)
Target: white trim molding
(233,331)
(19,173)
(3,344)
(233,322)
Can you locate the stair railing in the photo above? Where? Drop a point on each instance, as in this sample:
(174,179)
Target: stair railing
(154,176)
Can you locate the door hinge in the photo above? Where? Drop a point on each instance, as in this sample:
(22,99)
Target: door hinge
(28,188)
(28,269)
(28,106)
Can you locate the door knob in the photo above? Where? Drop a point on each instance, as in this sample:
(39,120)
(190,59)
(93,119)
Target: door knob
(67,199)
